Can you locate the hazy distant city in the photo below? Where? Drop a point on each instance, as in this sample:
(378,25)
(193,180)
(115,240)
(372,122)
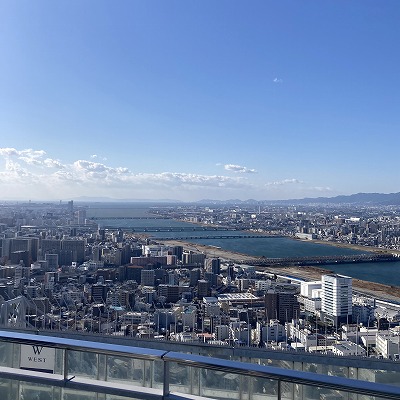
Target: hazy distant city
(67,266)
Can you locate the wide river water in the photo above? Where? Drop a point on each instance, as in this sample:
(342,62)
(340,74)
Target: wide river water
(384,272)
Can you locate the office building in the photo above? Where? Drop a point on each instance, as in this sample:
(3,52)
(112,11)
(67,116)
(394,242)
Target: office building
(147,277)
(76,247)
(336,299)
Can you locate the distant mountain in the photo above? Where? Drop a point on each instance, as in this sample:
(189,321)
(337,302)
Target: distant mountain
(231,201)
(87,199)
(359,198)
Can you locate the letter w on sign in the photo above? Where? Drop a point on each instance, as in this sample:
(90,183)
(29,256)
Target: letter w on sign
(37,349)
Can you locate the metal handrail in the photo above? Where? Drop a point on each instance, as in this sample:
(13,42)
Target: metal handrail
(81,345)
(286,375)
(195,361)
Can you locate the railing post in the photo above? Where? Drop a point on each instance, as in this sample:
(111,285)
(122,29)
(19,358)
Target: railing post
(65,365)
(166,380)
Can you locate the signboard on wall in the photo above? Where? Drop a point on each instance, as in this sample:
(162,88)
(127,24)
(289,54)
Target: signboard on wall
(38,358)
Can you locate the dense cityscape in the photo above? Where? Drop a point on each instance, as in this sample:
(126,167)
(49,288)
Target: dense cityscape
(63,268)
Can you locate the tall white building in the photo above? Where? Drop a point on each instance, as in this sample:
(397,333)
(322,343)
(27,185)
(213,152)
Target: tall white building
(336,300)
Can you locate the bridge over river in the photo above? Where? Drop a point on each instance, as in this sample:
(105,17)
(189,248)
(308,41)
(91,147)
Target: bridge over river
(172,229)
(320,260)
(217,237)
(125,218)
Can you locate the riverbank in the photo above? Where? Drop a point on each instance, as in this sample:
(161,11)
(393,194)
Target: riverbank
(377,290)
(370,249)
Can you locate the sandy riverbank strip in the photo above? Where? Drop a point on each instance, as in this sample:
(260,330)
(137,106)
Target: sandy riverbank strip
(309,273)
(350,246)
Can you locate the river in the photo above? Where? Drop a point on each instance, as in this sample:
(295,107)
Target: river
(382,272)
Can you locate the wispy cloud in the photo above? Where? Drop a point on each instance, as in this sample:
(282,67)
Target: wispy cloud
(239,168)
(321,189)
(283,182)
(27,153)
(277,80)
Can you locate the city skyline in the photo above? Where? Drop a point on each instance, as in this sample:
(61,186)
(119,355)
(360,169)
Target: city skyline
(189,101)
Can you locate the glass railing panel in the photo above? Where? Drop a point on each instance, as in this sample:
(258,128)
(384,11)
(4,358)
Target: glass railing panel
(355,396)
(32,391)
(83,364)
(7,354)
(148,373)
(138,372)
(353,373)
(306,392)
(311,367)
(219,384)
(260,388)
(158,374)
(195,381)
(179,378)
(297,392)
(119,369)
(8,389)
(379,376)
(245,388)
(70,394)
(276,363)
(337,370)
(287,390)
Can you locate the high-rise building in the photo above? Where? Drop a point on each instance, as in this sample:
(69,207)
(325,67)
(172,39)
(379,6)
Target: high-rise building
(211,278)
(173,278)
(193,258)
(281,303)
(52,260)
(203,288)
(194,276)
(170,292)
(99,293)
(213,265)
(336,300)
(14,245)
(76,247)
(177,251)
(147,277)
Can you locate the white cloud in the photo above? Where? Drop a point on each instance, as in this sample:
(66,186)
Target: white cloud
(50,163)
(28,171)
(321,189)
(7,152)
(239,168)
(27,154)
(277,80)
(30,157)
(283,182)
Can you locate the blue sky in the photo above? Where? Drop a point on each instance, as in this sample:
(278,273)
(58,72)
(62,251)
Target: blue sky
(198,99)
